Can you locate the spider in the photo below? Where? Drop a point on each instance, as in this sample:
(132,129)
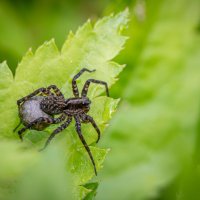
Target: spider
(37,110)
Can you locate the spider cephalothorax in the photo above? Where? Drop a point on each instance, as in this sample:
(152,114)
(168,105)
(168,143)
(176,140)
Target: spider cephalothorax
(38,110)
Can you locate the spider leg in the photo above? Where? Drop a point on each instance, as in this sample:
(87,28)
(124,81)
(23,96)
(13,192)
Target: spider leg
(17,126)
(56,131)
(56,90)
(59,119)
(36,92)
(74,84)
(45,91)
(78,129)
(87,84)
(39,120)
(87,118)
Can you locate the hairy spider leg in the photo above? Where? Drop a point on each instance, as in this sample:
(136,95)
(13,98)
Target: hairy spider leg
(56,131)
(17,126)
(86,119)
(42,90)
(39,120)
(56,90)
(74,84)
(36,92)
(87,84)
(78,130)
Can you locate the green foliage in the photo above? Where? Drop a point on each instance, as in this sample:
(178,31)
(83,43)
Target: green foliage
(93,47)
(152,137)
(93,188)
(36,21)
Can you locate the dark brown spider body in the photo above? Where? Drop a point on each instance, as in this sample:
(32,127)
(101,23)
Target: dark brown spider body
(53,105)
(40,108)
(77,106)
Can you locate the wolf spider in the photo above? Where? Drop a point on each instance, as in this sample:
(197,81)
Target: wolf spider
(47,102)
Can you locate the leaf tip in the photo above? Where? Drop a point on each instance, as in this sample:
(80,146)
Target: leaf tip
(5,72)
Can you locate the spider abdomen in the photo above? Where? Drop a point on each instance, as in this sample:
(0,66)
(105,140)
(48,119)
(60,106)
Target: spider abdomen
(30,110)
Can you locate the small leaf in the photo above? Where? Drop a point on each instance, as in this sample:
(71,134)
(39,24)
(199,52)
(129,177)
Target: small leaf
(93,190)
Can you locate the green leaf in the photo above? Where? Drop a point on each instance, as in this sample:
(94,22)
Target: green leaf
(93,188)
(152,137)
(93,47)
(7,103)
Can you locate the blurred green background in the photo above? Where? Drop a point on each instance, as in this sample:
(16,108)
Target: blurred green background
(154,135)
